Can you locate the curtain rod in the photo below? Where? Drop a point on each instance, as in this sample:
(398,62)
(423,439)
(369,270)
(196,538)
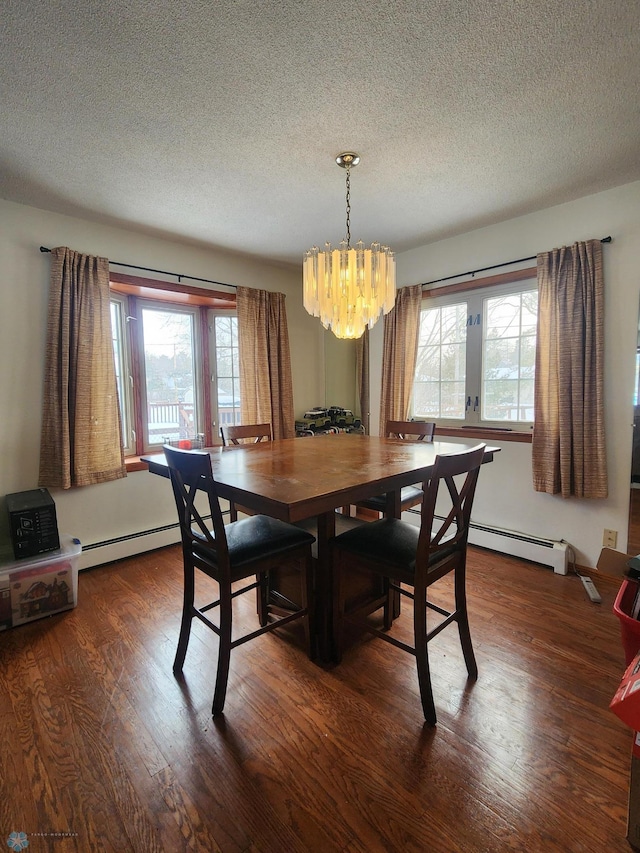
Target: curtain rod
(179,276)
(494,267)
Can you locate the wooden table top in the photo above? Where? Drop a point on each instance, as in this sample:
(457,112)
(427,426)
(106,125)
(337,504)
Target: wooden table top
(298,478)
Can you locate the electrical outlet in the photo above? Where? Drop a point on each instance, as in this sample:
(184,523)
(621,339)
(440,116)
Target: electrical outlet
(610,538)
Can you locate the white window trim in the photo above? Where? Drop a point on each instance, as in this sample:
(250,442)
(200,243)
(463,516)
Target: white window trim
(193,312)
(474,297)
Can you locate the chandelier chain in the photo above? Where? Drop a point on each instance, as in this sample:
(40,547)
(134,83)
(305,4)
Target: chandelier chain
(348,207)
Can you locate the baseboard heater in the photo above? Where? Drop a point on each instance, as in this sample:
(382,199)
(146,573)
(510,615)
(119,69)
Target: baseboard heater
(121,547)
(548,552)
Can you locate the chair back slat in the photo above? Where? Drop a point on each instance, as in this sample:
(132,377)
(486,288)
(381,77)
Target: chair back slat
(191,474)
(441,535)
(241,433)
(421,430)
(238,434)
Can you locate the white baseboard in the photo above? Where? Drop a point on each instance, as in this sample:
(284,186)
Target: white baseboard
(547,552)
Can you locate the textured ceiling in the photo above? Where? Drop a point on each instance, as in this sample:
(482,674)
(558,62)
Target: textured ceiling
(218,122)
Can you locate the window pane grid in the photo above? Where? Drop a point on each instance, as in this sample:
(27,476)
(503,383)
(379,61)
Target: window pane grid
(440,377)
(509,357)
(227,361)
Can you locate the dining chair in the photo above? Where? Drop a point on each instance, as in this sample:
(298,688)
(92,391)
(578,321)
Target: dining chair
(237,434)
(405,556)
(410,496)
(242,433)
(230,554)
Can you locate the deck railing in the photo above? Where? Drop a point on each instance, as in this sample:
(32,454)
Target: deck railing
(176,420)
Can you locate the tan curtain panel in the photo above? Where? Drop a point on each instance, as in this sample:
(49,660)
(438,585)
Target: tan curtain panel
(400,348)
(266,388)
(81,440)
(568,449)
(362,377)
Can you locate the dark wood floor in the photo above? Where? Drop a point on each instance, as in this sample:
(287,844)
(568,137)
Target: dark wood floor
(101,741)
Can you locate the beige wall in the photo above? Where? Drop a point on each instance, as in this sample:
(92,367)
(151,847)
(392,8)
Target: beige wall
(340,374)
(140,502)
(505,495)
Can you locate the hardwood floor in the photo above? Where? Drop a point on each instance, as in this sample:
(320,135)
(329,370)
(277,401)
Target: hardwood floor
(633,545)
(99,739)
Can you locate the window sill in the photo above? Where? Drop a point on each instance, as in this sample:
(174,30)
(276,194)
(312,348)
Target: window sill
(134,463)
(485,433)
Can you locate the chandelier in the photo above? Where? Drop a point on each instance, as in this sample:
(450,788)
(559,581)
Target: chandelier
(348,289)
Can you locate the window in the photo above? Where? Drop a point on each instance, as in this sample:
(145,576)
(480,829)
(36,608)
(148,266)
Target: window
(177,364)
(476,357)
(509,357)
(227,368)
(439,389)
(171,387)
(123,371)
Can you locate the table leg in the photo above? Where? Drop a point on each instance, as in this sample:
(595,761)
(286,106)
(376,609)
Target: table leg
(393,510)
(326,530)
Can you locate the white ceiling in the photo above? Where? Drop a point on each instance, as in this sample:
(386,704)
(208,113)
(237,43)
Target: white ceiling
(219,122)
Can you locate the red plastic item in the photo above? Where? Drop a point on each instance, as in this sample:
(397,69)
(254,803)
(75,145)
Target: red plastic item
(629,627)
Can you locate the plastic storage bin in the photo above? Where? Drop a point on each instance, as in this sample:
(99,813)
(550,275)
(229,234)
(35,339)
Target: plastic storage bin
(629,627)
(40,586)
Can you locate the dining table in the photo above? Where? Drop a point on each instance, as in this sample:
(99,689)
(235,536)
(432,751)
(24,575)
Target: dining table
(306,480)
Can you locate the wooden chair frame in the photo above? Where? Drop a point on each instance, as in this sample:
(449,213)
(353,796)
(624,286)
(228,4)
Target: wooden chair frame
(437,554)
(423,430)
(410,495)
(208,551)
(235,435)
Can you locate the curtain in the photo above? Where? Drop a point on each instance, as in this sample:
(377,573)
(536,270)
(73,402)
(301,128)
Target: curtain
(568,450)
(266,387)
(81,440)
(362,377)
(400,348)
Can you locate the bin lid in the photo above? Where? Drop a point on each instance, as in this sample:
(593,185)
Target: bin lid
(69,547)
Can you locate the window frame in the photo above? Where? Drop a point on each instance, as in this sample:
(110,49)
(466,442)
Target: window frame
(475,291)
(502,291)
(124,367)
(133,293)
(199,376)
(212,315)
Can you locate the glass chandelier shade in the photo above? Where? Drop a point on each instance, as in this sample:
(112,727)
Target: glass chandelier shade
(347,288)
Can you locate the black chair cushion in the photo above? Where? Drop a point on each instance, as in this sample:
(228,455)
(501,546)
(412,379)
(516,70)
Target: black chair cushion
(388,546)
(254,538)
(379,502)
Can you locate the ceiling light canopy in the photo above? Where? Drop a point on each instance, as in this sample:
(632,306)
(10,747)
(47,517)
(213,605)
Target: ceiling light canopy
(348,289)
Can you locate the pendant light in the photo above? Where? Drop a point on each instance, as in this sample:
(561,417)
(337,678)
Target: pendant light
(349,288)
